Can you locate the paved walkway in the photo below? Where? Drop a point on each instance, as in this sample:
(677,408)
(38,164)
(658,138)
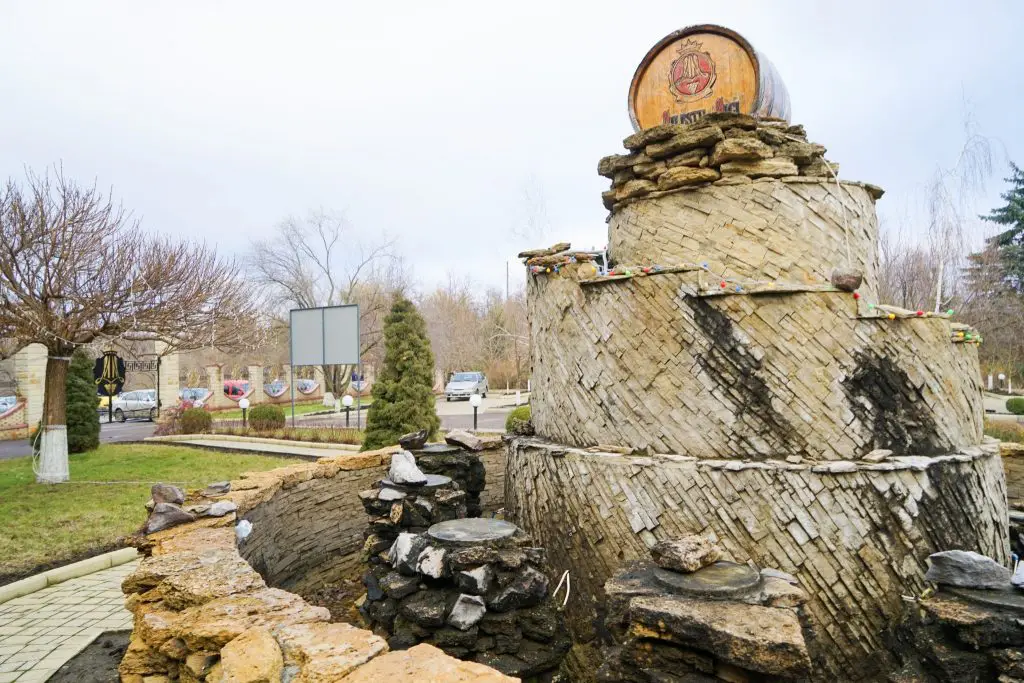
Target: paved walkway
(41,631)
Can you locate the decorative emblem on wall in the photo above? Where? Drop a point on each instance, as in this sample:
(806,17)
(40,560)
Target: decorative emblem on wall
(692,75)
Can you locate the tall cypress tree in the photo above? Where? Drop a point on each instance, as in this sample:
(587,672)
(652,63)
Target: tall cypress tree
(83,419)
(403,393)
(1009,244)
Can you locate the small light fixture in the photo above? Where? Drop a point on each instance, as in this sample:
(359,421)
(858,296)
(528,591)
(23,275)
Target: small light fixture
(475,401)
(346,400)
(243,403)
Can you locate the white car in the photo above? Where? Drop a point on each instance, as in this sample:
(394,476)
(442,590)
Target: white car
(141,403)
(465,384)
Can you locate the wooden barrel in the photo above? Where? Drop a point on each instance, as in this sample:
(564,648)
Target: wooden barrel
(703,69)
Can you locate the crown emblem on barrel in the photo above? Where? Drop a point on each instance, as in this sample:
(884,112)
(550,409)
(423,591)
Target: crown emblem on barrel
(692,74)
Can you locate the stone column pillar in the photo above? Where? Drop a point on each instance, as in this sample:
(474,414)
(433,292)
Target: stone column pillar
(169,382)
(256,393)
(30,373)
(320,379)
(215,381)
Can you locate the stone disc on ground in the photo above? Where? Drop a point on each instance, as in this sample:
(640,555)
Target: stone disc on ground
(719,580)
(433,481)
(472,530)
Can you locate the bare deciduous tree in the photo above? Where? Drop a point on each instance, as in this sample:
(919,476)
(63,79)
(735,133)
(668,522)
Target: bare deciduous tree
(76,269)
(318,261)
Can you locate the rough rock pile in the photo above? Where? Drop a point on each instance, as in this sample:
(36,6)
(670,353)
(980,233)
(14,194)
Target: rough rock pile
(970,629)
(720,148)
(689,616)
(473,588)
(167,505)
(407,501)
(459,461)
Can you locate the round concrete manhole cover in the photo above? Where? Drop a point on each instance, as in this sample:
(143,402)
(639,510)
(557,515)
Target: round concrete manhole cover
(433,481)
(719,580)
(472,530)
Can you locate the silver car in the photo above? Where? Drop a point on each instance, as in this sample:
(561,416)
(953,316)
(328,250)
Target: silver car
(465,384)
(141,403)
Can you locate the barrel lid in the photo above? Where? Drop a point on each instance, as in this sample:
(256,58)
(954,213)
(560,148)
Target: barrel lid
(699,69)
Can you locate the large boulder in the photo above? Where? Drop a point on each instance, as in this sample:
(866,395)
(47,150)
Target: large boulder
(403,470)
(966,569)
(414,440)
(463,439)
(166,515)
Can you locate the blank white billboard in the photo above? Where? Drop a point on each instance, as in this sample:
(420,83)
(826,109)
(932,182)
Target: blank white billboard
(325,336)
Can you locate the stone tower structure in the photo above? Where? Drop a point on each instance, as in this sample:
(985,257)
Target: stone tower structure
(734,375)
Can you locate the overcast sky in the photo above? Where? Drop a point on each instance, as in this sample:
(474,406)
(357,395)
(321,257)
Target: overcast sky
(452,126)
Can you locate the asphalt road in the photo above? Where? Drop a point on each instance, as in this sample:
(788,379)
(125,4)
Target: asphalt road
(132,430)
(454,415)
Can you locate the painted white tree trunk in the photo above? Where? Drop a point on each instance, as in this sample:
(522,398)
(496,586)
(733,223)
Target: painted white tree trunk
(53,455)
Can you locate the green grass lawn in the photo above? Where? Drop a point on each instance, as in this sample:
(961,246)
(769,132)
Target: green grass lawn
(46,525)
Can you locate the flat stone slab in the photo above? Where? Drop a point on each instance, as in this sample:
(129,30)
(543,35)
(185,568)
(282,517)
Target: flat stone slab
(472,530)
(1006,599)
(434,481)
(719,580)
(438,449)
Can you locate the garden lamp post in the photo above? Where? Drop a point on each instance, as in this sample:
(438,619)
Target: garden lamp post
(475,401)
(243,403)
(347,402)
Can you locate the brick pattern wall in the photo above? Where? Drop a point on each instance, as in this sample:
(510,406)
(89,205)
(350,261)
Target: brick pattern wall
(767,230)
(642,363)
(857,540)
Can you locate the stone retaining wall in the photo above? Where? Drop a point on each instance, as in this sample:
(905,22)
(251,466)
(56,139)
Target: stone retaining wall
(642,363)
(310,532)
(205,609)
(855,534)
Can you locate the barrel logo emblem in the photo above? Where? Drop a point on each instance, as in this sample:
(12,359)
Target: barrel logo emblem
(692,75)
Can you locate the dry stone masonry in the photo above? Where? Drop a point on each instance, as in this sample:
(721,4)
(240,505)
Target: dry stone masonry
(717,621)
(207,600)
(476,589)
(731,373)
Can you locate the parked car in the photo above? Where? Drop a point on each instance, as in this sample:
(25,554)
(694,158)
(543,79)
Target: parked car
(135,404)
(465,384)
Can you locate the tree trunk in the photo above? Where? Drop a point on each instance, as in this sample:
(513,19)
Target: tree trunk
(53,451)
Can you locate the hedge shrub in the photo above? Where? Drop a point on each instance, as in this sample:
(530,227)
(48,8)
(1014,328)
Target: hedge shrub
(196,421)
(516,419)
(1015,405)
(266,418)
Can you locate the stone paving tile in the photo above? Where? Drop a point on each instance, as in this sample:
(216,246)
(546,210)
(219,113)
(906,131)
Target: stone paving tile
(41,631)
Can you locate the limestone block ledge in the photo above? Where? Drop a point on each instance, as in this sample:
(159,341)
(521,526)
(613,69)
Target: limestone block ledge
(202,612)
(642,364)
(855,533)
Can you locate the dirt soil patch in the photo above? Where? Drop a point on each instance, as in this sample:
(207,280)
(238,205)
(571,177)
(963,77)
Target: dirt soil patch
(97,663)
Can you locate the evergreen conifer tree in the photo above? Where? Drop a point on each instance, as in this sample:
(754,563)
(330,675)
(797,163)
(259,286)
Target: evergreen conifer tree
(1009,244)
(403,395)
(82,418)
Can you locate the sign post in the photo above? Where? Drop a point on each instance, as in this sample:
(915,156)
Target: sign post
(328,335)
